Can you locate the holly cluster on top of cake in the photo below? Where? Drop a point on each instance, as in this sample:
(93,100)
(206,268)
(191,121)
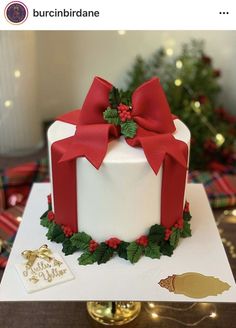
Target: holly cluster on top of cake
(144,206)
(119,112)
(158,241)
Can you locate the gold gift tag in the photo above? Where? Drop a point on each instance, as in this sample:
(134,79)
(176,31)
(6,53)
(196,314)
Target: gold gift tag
(194,285)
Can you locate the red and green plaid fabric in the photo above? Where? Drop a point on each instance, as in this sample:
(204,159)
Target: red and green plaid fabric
(15,185)
(220,187)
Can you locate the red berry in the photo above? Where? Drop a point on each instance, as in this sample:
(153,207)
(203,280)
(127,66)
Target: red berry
(186,207)
(143,241)
(93,245)
(51,215)
(123,107)
(67,231)
(113,242)
(49,197)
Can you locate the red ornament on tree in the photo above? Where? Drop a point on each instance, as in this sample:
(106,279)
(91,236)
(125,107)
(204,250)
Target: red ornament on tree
(206,59)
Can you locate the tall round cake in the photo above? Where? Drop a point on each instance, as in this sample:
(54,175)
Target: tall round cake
(123,197)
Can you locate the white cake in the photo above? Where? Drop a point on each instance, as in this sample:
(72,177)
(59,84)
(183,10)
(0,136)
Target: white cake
(123,197)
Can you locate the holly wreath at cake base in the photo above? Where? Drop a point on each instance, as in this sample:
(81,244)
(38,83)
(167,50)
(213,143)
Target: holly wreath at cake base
(157,242)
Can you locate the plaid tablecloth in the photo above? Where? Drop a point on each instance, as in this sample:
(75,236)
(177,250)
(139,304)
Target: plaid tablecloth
(220,187)
(15,185)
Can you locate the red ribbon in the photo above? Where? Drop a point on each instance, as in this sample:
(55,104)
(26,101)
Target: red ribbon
(151,112)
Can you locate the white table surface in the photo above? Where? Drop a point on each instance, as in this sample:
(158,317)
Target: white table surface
(118,279)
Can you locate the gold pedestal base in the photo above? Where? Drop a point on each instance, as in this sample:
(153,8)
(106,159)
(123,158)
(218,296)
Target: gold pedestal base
(113,313)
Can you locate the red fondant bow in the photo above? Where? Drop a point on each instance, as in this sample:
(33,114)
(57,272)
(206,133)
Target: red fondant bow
(151,112)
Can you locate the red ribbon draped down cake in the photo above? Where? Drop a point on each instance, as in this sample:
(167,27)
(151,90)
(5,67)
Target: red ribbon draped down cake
(117,176)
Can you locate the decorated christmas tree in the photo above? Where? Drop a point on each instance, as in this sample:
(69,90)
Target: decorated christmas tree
(192,87)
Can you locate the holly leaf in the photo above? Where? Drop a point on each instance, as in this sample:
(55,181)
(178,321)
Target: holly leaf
(125,97)
(55,233)
(156,233)
(187,216)
(45,215)
(174,237)
(87,258)
(186,231)
(166,248)
(122,250)
(81,240)
(128,128)
(68,248)
(114,97)
(152,251)
(44,221)
(134,252)
(111,116)
(103,253)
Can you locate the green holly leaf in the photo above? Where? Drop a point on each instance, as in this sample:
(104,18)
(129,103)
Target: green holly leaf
(125,97)
(174,237)
(81,240)
(87,258)
(186,231)
(45,215)
(122,250)
(103,253)
(166,248)
(114,97)
(187,216)
(156,233)
(55,233)
(128,128)
(111,116)
(44,221)
(134,252)
(68,248)
(152,251)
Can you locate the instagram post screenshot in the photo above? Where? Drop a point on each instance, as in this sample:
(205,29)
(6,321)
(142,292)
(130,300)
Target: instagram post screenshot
(117,164)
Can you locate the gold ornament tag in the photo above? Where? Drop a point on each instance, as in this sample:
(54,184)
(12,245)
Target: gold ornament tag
(42,269)
(194,285)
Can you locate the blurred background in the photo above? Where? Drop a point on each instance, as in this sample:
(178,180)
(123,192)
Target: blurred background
(45,74)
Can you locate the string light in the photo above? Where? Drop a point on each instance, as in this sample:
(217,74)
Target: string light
(17,73)
(179,64)
(213,315)
(154,315)
(219,139)
(178,82)
(8,103)
(150,307)
(169,52)
(121,32)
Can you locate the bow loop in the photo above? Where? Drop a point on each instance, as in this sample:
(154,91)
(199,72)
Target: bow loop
(150,108)
(96,101)
(43,252)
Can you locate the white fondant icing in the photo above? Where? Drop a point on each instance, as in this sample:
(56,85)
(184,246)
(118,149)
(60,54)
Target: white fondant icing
(123,198)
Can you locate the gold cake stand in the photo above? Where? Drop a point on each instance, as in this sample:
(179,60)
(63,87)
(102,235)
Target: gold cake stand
(113,313)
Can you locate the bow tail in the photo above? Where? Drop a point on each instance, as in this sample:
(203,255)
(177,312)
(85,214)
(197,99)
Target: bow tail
(91,142)
(165,149)
(64,185)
